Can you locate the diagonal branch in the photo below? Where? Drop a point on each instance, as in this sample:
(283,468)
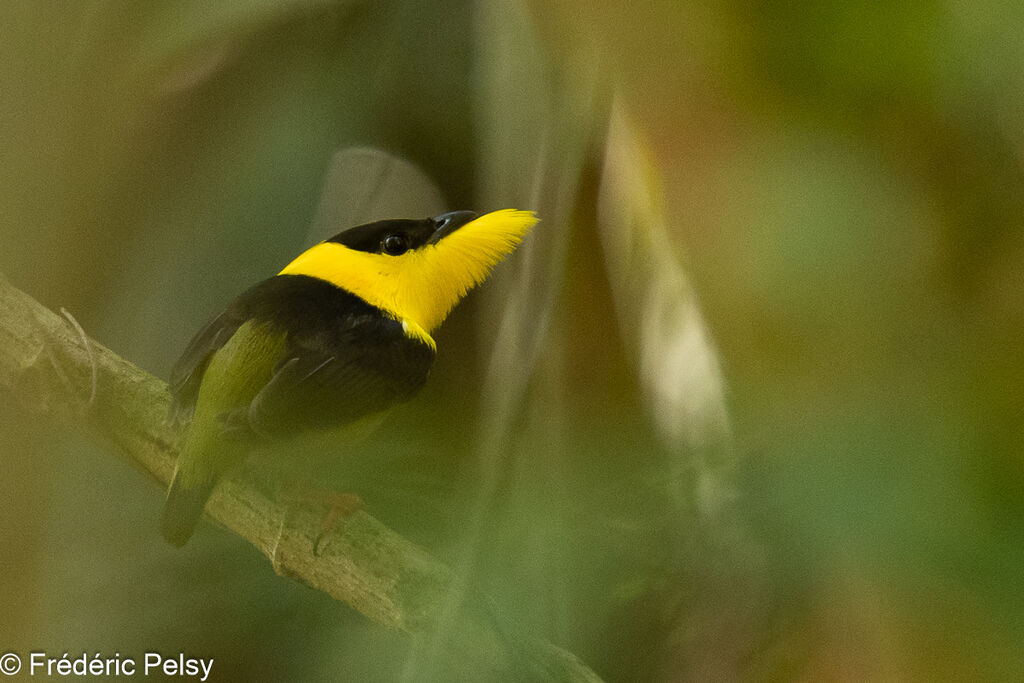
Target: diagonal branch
(48,365)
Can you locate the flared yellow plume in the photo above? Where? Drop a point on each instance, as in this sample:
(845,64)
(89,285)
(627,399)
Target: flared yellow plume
(421,286)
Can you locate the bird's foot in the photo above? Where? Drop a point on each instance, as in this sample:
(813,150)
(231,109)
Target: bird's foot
(337,506)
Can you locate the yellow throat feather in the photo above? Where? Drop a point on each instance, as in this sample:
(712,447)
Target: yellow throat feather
(421,286)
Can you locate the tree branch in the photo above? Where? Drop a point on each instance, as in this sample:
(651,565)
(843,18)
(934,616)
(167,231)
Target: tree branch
(48,365)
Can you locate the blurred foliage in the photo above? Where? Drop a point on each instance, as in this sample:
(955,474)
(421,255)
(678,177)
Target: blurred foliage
(842,183)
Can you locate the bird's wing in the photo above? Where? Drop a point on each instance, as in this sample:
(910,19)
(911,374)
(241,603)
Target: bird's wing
(187,374)
(259,302)
(343,358)
(330,378)
(264,301)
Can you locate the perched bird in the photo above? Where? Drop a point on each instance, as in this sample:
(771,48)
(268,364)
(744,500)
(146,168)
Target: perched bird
(333,340)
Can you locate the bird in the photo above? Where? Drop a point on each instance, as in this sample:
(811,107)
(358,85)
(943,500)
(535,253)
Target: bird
(339,336)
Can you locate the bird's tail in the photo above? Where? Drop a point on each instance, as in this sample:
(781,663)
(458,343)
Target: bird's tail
(183,507)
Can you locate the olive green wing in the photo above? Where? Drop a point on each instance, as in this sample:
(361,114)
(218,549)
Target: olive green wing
(187,373)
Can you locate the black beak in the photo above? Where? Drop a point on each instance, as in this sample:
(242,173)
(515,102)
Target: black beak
(447,223)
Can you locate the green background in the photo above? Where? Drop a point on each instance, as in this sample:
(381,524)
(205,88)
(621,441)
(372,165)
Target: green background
(824,479)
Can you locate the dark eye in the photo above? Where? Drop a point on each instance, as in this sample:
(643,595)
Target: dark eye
(395,245)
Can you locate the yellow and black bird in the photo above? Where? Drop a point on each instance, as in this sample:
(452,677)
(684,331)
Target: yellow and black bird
(337,337)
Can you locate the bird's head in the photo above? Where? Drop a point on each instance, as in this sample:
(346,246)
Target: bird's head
(416,270)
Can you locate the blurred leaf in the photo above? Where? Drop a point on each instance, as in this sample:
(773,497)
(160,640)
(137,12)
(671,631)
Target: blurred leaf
(659,317)
(364,184)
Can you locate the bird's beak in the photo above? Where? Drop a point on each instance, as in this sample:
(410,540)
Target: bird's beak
(447,223)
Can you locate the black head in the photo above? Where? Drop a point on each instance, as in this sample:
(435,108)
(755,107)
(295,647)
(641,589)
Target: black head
(397,236)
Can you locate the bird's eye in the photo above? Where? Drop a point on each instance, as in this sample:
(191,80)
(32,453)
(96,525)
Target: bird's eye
(395,245)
